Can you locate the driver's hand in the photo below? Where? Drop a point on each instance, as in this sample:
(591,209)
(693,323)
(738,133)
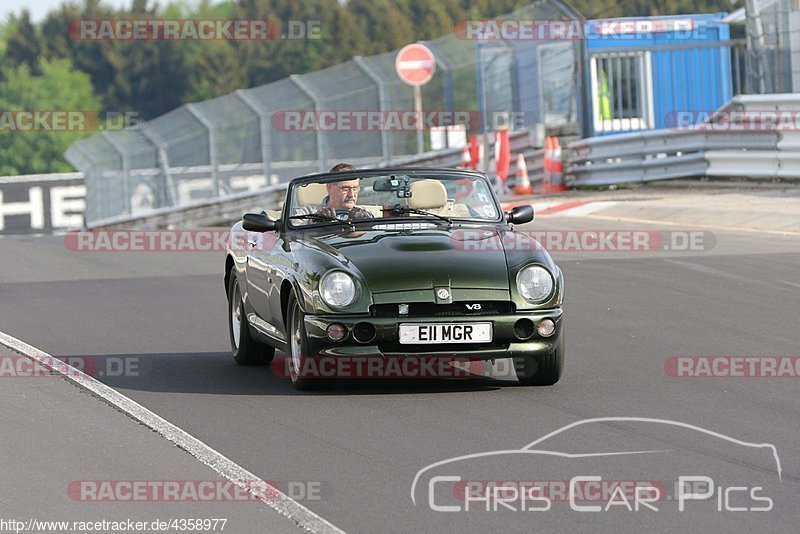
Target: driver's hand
(359,213)
(328,212)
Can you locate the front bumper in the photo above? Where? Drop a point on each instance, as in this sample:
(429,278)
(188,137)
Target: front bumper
(506,343)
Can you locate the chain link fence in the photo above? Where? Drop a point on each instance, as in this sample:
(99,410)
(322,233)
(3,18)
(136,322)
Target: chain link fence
(769,46)
(239,142)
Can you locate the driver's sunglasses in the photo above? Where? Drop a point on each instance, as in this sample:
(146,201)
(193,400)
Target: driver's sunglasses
(349,188)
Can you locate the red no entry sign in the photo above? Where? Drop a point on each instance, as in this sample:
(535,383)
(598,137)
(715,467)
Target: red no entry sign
(415,64)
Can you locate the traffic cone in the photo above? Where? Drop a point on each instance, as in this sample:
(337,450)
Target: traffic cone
(557,166)
(522,184)
(548,167)
(466,159)
(474,155)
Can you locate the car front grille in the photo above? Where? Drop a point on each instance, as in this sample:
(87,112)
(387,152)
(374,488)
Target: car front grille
(455,309)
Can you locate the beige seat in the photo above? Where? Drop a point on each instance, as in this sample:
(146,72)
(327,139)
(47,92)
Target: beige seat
(428,195)
(310,194)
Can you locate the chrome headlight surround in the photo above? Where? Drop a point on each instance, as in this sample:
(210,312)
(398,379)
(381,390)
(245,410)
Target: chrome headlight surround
(535,283)
(338,289)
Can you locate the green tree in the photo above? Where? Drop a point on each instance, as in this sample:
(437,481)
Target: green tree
(22,45)
(58,87)
(99,59)
(216,70)
(384,24)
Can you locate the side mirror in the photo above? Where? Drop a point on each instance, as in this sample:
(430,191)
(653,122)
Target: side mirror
(520,215)
(258,222)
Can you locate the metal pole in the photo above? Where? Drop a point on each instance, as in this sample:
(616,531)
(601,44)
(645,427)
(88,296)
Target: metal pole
(126,187)
(89,182)
(304,87)
(266,139)
(163,159)
(212,148)
(385,149)
(755,30)
(418,112)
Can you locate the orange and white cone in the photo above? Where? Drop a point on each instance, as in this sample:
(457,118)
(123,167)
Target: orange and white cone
(466,159)
(548,166)
(523,183)
(557,166)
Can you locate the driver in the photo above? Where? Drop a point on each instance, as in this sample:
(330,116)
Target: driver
(342,197)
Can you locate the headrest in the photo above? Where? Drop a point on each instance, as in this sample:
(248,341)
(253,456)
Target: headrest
(428,194)
(310,194)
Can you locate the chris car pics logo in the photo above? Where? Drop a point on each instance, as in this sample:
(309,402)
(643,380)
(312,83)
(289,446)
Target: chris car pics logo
(604,480)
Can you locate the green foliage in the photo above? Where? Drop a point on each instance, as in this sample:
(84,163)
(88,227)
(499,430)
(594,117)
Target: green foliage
(23,45)
(153,77)
(58,87)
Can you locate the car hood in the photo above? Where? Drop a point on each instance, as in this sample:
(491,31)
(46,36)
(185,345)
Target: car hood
(419,259)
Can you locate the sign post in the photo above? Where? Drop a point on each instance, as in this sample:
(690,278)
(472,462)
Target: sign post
(415,65)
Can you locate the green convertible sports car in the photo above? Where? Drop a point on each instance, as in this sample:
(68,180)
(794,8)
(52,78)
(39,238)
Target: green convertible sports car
(384,265)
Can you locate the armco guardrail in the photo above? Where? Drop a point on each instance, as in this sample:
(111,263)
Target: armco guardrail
(211,212)
(744,138)
(658,154)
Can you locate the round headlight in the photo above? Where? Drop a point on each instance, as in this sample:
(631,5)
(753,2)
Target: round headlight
(535,284)
(337,289)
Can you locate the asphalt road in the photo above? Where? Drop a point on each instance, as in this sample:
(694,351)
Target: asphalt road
(361,444)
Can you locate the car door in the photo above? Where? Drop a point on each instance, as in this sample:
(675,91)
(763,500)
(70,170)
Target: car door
(260,272)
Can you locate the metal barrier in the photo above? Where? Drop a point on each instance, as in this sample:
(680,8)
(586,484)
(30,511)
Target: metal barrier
(736,141)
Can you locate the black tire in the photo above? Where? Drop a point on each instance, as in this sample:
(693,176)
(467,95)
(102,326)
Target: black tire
(247,351)
(298,348)
(541,370)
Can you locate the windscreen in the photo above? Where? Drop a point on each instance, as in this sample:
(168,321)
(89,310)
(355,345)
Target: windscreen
(391,196)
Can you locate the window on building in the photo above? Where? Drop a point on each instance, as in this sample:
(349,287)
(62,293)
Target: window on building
(621,91)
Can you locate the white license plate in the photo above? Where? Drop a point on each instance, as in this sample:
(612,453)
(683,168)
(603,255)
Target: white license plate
(420,334)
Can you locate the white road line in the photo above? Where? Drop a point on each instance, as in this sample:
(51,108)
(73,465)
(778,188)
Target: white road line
(782,233)
(585,209)
(225,467)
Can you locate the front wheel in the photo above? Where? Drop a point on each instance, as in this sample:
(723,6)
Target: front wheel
(541,370)
(246,350)
(298,349)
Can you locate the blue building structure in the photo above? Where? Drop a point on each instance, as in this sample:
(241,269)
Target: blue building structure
(655,72)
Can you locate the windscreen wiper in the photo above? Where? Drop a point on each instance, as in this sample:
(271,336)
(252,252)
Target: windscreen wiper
(400,210)
(321,217)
